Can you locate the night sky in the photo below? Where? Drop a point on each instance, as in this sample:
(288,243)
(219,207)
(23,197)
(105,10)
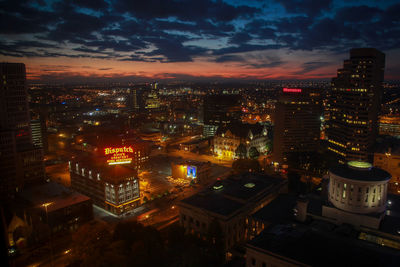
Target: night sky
(194,39)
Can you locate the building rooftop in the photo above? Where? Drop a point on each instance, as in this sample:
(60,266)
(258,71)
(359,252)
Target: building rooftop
(323,244)
(214,202)
(360,172)
(109,173)
(278,210)
(58,195)
(228,196)
(247,186)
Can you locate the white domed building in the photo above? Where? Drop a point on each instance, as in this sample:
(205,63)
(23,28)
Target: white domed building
(357,194)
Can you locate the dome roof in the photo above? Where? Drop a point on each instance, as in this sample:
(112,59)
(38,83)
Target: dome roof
(361,171)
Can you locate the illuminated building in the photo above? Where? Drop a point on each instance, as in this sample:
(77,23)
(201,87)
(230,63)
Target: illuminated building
(152,101)
(354,104)
(228,202)
(220,110)
(228,138)
(389,125)
(21,163)
(37,133)
(297,123)
(111,186)
(96,143)
(356,191)
(387,157)
(356,219)
(193,170)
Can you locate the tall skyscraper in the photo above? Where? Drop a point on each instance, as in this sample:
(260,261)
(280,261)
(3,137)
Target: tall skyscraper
(135,101)
(297,124)
(220,110)
(21,163)
(353,106)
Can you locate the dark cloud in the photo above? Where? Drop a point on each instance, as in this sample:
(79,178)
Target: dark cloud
(229,58)
(91,4)
(310,66)
(296,24)
(308,7)
(161,30)
(261,29)
(240,38)
(77,26)
(188,10)
(359,14)
(244,48)
(173,49)
(265,65)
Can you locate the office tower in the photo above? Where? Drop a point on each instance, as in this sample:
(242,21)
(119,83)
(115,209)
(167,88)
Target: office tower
(37,138)
(220,110)
(152,101)
(354,104)
(135,100)
(21,163)
(297,124)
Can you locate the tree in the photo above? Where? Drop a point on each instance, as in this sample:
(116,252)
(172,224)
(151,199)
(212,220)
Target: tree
(253,153)
(241,151)
(90,242)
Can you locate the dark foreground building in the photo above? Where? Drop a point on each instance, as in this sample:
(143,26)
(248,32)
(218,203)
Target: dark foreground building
(45,207)
(21,162)
(354,223)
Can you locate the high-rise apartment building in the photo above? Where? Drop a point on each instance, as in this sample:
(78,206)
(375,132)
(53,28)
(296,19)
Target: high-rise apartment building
(21,163)
(297,123)
(354,104)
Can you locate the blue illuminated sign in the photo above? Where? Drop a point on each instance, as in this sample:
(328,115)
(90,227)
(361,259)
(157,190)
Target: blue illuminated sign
(191,172)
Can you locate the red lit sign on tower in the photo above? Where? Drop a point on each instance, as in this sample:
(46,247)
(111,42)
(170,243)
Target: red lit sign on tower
(118,155)
(291,90)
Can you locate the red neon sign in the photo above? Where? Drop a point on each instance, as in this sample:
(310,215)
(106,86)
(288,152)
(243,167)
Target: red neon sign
(292,90)
(119,155)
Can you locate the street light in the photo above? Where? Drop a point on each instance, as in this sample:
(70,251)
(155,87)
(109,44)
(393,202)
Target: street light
(45,205)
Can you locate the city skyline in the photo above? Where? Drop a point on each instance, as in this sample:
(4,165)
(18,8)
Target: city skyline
(194,40)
